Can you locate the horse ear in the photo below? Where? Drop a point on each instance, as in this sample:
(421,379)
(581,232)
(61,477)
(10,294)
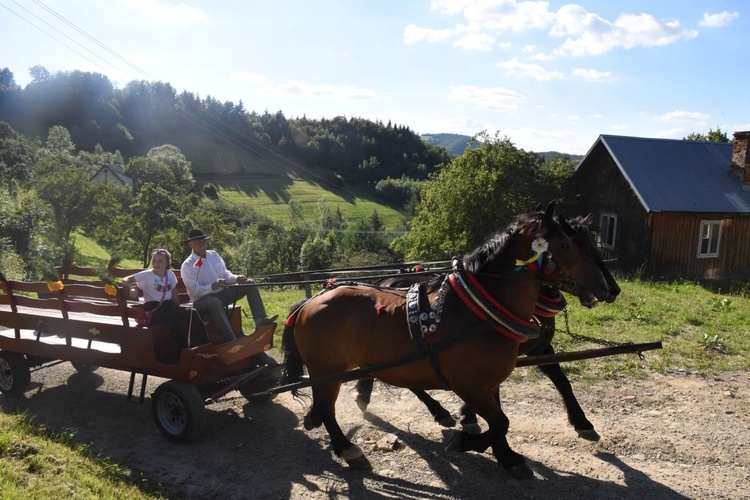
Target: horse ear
(550,212)
(588,220)
(565,225)
(538,207)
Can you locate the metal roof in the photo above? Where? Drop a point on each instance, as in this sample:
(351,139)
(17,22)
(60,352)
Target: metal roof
(671,175)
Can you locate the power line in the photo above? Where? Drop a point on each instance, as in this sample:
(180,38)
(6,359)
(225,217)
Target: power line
(52,37)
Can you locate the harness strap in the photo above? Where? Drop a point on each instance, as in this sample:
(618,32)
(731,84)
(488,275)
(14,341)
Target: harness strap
(521,331)
(417,330)
(549,304)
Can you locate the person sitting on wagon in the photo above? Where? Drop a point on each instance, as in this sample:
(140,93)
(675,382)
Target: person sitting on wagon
(205,275)
(162,307)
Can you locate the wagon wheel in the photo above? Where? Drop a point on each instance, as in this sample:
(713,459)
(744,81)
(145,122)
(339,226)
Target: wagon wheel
(178,411)
(84,367)
(15,375)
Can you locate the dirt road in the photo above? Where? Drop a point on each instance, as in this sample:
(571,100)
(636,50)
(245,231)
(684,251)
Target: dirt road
(666,437)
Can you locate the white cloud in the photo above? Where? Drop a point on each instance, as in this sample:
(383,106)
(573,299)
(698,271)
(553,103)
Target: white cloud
(589,34)
(618,127)
(497,98)
(681,117)
(475,41)
(593,75)
(247,77)
(313,91)
(718,20)
(533,71)
(415,34)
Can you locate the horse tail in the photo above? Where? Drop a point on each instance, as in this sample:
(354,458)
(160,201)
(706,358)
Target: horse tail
(294,368)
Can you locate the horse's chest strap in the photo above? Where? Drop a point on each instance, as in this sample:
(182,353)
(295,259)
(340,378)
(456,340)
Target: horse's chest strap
(416,318)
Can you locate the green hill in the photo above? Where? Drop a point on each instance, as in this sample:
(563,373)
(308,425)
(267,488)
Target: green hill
(271,194)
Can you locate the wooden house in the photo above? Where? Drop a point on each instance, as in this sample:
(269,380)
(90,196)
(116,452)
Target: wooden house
(669,208)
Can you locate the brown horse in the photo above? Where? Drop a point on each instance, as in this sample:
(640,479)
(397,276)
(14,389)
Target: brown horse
(578,229)
(361,326)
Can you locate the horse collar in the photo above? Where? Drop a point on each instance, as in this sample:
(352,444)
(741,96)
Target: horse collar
(485,307)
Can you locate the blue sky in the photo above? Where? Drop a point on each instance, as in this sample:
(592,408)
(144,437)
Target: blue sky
(548,75)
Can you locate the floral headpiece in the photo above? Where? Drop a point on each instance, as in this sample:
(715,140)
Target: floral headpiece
(539,246)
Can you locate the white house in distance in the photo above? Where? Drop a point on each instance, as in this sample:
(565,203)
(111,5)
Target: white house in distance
(114,174)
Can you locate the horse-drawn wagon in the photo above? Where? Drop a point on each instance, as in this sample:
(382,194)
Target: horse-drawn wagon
(91,325)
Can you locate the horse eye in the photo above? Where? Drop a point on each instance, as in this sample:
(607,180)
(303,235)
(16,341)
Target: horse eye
(564,245)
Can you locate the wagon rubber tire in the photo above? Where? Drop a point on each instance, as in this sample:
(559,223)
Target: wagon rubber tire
(84,367)
(15,375)
(178,411)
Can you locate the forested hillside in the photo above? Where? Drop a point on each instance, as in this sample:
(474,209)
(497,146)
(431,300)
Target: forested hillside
(377,192)
(216,137)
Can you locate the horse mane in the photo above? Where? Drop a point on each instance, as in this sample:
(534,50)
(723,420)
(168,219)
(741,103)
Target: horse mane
(500,241)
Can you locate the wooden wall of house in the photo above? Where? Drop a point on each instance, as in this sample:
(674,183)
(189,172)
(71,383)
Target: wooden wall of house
(675,247)
(601,188)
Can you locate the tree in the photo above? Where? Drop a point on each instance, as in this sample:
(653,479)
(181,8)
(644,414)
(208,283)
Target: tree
(477,194)
(172,157)
(39,73)
(67,189)
(717,135)
(153,212)
(17,157)
(149,170)
(7,81)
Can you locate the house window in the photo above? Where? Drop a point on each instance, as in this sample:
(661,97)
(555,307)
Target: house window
(708,243)
(608,231)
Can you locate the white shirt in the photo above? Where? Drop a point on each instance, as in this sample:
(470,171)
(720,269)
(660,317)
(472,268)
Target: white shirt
(153,285)
(199,274)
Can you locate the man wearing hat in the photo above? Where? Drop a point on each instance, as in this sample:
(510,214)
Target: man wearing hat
(205,274)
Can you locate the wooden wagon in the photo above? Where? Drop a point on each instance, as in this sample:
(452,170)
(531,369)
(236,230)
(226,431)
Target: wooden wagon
(83,324)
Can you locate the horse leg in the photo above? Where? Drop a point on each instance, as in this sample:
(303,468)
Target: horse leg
(313,419)
(469,421)
(364,390)
(440,414)
(576,415)
(487,405)
(324,402)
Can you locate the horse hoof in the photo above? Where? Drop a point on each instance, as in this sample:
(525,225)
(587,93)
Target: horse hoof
(521,471)
(454,443)
(446,421)
(356,459)
(472,428)
(360,463)
(362,404)
(589,434)
(308,423)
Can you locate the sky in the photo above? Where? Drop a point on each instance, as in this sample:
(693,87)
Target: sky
(551,76)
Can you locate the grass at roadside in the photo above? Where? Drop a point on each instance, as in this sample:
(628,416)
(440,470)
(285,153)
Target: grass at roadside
(35,463)
(702,331)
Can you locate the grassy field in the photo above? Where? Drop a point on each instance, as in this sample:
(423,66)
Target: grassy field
(704,332)
(271,195)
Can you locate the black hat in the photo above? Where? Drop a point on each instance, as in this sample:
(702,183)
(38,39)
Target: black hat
(197,234)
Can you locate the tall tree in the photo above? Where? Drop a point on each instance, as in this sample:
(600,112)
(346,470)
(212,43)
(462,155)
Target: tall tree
(153,212)
(478,193)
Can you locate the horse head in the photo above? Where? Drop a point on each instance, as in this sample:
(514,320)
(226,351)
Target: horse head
(560,261)
(578,229)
